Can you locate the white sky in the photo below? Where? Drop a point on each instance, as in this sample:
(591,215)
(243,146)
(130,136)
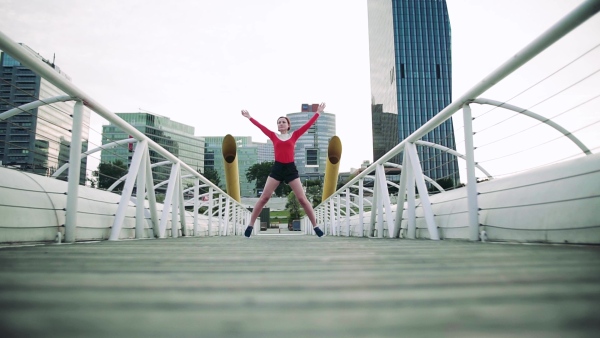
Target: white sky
(200,62)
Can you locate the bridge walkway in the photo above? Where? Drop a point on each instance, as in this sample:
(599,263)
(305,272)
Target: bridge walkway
(299,286)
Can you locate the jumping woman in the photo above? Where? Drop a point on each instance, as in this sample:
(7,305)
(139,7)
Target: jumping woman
(284,168)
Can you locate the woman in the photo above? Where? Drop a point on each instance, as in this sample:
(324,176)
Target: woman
(284,168)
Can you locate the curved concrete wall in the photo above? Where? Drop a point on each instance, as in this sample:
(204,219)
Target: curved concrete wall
(553,204)
(32,209)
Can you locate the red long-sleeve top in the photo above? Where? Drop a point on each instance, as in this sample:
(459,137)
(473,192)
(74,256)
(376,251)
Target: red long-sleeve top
(284,149)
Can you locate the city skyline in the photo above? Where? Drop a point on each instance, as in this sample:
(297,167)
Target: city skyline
(266,57)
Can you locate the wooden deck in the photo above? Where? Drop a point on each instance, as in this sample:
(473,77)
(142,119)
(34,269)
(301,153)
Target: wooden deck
(299,286)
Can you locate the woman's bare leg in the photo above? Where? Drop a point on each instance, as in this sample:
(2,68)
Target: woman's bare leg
(296,186)
(268,190)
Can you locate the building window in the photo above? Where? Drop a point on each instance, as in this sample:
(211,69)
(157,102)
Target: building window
(312,157)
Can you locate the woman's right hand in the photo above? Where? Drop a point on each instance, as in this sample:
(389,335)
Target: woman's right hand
(245,114)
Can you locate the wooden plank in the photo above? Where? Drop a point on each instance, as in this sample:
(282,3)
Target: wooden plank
(299,286)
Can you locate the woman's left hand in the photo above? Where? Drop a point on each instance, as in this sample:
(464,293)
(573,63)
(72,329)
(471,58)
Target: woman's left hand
(321,108)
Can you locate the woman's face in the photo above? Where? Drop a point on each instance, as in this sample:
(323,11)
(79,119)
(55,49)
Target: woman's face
(283,124)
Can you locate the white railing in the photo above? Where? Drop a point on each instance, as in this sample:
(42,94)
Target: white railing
(343,213)
(229,214)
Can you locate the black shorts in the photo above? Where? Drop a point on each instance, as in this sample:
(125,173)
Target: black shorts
(286,172)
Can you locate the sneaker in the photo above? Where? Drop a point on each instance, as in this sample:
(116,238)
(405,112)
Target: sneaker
(318,231)
(248,231)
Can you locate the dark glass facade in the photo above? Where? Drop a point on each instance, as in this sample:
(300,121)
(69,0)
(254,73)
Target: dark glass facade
(175,137)
(37,140)
(411,78)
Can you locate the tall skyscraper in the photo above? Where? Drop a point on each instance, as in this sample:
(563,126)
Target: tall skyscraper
(311,148)
(37,140)
(411,78)
(175,137)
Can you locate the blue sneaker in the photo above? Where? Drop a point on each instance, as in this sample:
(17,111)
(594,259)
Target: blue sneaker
(318,231)
(248,231)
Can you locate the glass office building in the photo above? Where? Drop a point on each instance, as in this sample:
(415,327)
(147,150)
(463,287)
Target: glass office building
(37,140)
(311,148)
(411,78)
(175,137)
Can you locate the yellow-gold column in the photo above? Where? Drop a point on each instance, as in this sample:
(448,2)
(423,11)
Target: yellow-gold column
(332,167)
(232,175)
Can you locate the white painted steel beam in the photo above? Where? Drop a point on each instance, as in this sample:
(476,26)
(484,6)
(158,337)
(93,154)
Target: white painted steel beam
(74,173)
(540,118)
(423,193)
(473,204)
(35,104)
(127,190)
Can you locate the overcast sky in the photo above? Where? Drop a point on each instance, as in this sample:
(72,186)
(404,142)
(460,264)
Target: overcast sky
(200,62)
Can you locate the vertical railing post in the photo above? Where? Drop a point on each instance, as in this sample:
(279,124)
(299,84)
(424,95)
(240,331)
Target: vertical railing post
(361,207)
(151,196)
(134,167)
(348,212)
(167,203)
(220,217)
(411,221)
(401,197)
(74,173)
(211,206)
(332,220)
(140,193)
(182,219)
(423,193)
(473,205)
(374,209)
(174,206)
(196,205)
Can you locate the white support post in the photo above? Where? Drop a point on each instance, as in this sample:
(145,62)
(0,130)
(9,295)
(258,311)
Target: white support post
(140,218)
(349,233)
(332,223)
(174,208)
(168,199)
(181,201)
(374,209)
(361,207)
(151,195)
(235,219)
(220,217)
(401,196)
(127,190)
(338,218)
(385,199)
(196,205)
(326,221)
(423,193)
(74,173)
(382,191)
(411,217)
(473,204)
(210,210)
(227,212)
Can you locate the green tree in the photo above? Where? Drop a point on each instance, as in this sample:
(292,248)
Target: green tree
(314,191)
(293,206)
(259,172)
(213,176)
(109,172)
